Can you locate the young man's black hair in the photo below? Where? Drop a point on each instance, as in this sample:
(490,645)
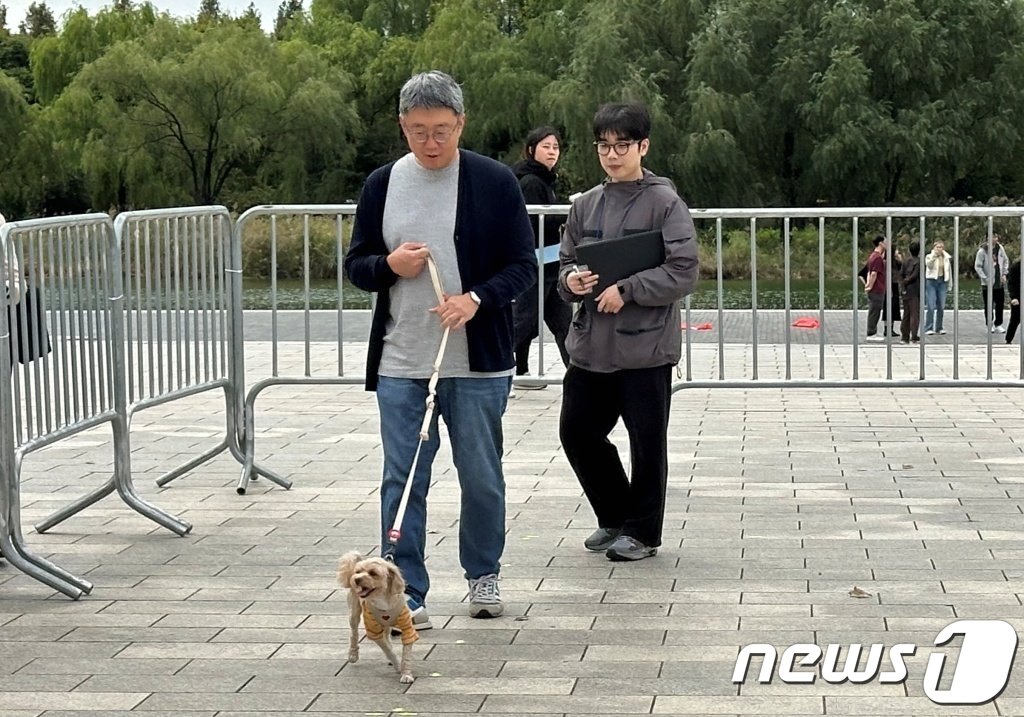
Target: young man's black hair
(624,120)
(877,240)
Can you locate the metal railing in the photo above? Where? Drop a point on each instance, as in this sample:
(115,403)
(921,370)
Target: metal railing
(182,275)
(72,378)
(148,310)
(922,224)
(333,225)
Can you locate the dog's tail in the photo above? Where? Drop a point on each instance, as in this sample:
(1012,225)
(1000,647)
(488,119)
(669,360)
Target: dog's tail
(347,567)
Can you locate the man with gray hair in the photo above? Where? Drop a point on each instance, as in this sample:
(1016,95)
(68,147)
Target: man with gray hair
(467,213)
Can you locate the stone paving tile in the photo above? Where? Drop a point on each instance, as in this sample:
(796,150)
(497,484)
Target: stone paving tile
(779,502)
(91,701)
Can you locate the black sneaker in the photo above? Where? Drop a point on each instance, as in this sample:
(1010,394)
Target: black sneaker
(629,548)
(601,539)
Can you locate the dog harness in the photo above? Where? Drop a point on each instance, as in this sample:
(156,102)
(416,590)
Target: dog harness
(376,621)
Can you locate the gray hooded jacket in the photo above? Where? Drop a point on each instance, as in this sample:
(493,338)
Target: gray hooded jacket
(646,332)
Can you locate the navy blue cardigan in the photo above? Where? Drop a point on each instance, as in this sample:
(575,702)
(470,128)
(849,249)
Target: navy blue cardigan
(494,246)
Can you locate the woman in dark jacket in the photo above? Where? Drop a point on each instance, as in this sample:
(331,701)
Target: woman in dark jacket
(1013,284)
(536,174)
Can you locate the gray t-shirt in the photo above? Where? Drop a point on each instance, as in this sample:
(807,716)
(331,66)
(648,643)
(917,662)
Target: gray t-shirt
(420,207)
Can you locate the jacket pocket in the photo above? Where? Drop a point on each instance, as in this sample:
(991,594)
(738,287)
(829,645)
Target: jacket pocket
(640,335)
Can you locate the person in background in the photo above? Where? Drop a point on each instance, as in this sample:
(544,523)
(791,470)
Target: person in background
(875,285)
(938,275)
(996,278)
(13,283)
(910,282)
(1013,285)
(11,273)
(536,175)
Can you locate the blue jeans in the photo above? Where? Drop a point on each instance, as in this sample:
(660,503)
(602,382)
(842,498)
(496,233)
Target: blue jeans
(935,303)
(472,409)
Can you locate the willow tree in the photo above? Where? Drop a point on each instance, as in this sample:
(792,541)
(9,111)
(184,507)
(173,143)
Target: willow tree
(192,113)
(56,59)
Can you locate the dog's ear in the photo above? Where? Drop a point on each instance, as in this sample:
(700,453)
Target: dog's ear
(347,567)
(396,583)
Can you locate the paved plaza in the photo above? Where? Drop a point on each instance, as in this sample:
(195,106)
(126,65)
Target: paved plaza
(780,502)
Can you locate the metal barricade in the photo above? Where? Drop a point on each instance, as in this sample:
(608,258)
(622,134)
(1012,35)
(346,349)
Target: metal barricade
(69,374)
(332,227)
(182,274)
(729,354)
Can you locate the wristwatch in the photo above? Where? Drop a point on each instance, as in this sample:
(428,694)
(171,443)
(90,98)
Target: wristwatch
(476,299)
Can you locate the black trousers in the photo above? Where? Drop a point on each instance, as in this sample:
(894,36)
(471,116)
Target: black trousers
(997,303)
(557,317)
(876,305)
(911,315)
(592,403)
(1014,322)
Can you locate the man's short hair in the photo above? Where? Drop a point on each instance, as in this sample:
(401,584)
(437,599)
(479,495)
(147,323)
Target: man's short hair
(877,240)
(915,248)
(431,90)
(625,120)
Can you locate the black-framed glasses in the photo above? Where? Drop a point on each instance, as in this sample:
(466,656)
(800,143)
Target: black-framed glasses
(603,148)
(441,135)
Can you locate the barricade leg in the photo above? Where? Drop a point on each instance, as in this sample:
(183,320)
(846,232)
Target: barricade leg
(249,468)
(126,488)
(13,553)
(121,481)
(77,506)
(13,546)
(230,435)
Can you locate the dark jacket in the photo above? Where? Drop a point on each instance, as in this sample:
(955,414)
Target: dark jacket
(910,274)
(494,246)
(538,185)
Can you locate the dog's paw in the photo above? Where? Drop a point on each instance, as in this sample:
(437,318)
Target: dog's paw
(406,678)
(353,655)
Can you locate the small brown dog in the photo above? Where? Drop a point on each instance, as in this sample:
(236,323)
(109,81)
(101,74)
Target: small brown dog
(376,593)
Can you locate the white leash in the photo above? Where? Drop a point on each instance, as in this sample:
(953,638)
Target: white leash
(396,531)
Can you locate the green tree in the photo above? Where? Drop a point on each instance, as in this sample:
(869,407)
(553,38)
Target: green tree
(624,51)
(14,60)
(179,115)
(466,39)
(286,11)
(39,21)
(58,58)
(251,17)
(209,13)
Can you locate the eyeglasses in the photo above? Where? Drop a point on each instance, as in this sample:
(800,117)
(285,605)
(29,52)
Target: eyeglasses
(603,148)
(440,135)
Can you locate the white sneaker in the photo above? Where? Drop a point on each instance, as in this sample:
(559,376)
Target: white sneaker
(929,332)
(993,330)
(485,597)
(420,621)
(875,337)
(512,391)
(1000,329)
(942,331)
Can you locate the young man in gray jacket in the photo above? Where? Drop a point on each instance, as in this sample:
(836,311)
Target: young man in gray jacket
(623,346)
